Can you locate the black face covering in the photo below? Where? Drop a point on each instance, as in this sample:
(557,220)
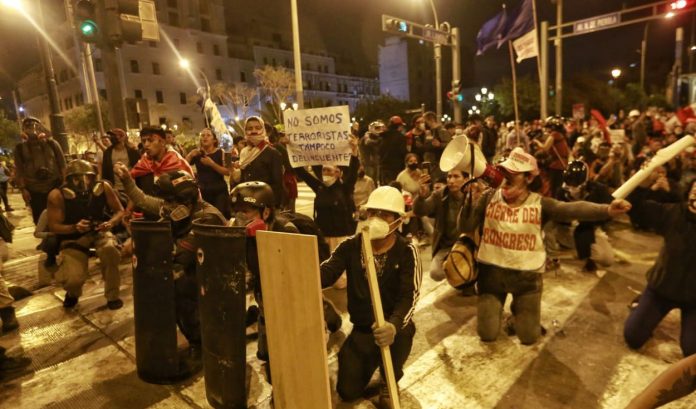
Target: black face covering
(81,183)
(412,166)
(361,174)
(113,139)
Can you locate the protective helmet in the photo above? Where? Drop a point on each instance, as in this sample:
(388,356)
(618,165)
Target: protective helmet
(386,198)
(30,120)
(177,185)
(79,167)
(555,123)
(256,194)
(575,174)
(634,113)
(374,125)
(396,120)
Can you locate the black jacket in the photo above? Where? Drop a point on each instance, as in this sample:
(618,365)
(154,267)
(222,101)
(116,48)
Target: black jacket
(673,275)
(399,281)
(334,205)
(436,205)
(267,168)
(108,164)
(392,150)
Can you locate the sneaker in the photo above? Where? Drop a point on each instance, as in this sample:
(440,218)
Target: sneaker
(70,301)
(9,209)
(12,366)
(385,400)
(9,320)
(114,304)
(590,267)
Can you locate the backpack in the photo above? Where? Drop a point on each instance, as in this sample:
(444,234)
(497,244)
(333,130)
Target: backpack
(305,225)
(42,167)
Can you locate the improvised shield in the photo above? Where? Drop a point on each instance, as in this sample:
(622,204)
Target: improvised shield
(221,270)
(154,307)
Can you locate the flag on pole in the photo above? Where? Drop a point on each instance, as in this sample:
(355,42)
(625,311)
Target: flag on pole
(506,27)
(491,32)
(519,22)
(215,119)
(526,46)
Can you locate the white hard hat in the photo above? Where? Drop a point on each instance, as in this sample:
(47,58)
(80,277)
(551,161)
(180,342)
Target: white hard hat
(520,161)
(634,112)
(386,198)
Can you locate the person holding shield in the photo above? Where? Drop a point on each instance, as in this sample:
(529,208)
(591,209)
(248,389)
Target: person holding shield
(399,272)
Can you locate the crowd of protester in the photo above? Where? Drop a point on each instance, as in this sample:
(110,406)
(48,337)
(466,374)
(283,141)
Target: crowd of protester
(560,171)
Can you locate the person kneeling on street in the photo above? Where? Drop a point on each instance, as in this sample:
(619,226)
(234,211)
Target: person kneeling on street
(511,253)
(399,273)
(82,213)
(178,201)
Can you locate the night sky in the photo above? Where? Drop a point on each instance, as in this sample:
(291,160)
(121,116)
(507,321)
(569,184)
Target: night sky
(352,29)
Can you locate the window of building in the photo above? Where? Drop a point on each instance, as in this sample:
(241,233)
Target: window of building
(205,25)
(216,49)
(199,47)
(163,120)
(242,76)
(98,65)
(182,98)
(265,61)
(135,68)
(172,3)
(277,37)
(79,100)
(218,74)
(176,43)
(138,93)
(103,94)
(274,62)
(173,19)
(152,44)
(308,67)
(326,68)
(287,63)
(156,68)
(63,76)
(159,97)
(204,6)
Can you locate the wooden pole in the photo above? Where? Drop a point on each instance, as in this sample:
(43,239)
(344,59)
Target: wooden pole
(514,91)
(379,316)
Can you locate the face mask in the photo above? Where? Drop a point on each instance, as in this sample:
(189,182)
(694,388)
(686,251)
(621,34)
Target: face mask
(329,180)
(81,183)
(421,127)
(361,174)
(413,166)
(256,139)
(113,139)
(379,228)
(574,191)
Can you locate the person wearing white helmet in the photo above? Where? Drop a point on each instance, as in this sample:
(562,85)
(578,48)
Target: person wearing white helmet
(399,272)
(511,254)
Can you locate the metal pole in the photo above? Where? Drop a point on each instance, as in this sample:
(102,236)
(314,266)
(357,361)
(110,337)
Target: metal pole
(79,51)
(643,49)
(56,119)
(559,57)
(297,54)
(544,80)
(456,71)
(93,87)
(113,73)
(16,107)
(678,56)
(691,43)
(438,66)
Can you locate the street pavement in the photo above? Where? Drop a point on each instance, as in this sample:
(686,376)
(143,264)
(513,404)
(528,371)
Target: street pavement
(86,358)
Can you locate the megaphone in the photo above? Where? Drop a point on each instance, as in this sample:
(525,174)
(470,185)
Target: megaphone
(465,156)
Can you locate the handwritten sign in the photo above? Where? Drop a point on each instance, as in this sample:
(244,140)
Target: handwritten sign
(318,136)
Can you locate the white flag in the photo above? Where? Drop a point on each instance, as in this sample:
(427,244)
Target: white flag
(526,46)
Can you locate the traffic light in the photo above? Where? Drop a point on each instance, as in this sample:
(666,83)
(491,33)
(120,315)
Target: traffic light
(456,93)
(123,21)
(394,24)
(86,21)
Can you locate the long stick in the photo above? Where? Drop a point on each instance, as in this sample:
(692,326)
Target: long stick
(379,316)
(514,91)
(536,39)
(661,157)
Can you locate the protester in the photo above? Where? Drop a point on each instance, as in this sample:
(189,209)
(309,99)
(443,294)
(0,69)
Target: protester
(410,176)
(369,149)
(120,150)
(391,151)
(397,264)
(674,383)
(209,160)
(511,253)
(40,166)
(364,185)
(82,213)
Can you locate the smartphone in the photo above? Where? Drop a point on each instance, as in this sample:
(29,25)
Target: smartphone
(425,167)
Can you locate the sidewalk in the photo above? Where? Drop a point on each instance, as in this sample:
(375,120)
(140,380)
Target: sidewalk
(85,358)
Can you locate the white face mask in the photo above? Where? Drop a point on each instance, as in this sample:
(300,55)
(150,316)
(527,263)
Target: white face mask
(255,139)
(379,228)
(329,180)
(421,127)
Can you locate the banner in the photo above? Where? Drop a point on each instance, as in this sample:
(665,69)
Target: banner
(526,46)
(319,136)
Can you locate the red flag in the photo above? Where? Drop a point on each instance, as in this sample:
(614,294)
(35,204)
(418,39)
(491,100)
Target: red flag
(602,123)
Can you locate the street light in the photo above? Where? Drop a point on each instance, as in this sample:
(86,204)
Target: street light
(185,64)
(15,4)
(616,73)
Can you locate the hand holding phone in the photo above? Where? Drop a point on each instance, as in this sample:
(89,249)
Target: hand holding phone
(425,168)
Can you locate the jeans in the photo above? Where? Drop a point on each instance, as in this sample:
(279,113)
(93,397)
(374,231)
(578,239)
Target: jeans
(359,357)
(651,309)
(39,201)
(494,286)
(437,273)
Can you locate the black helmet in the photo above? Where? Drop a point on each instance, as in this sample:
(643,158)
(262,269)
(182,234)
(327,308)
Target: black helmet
(30,120)
(555,123)
(575,174)
(257,194)
(79,167)
(177,185)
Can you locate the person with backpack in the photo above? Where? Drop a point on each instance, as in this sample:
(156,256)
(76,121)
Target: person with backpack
(40,166)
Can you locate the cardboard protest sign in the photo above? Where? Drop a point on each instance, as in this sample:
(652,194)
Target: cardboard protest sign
(319,136)
(617,136)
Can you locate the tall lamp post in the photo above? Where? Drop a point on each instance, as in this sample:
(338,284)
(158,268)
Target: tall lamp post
(438,66)
(483,96)
(185,64)
(297,55)
(57,123)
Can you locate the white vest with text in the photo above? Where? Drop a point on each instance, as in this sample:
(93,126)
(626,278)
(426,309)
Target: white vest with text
(512,236)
